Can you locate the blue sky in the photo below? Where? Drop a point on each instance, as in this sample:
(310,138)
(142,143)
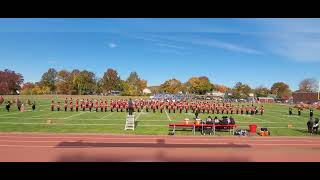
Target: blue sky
(253,51)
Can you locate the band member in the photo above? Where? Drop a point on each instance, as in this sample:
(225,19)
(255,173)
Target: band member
(173,108)
(212,108)
(180,108)
(33,105)
(299,111)
(101,105)
(247,109)
(237,109)
(311,112)
(161,108)
(83,104)
(90,105)
(256,110)
(147,108)
(231,109)
(117,107)
(105,106)
(138,107)
(71,105)
(218,109)
(187,107)
(290,111)
(65,105)
(121,107)
(208,109)
(227,110)
(242,109)
(58,106)
(261,110)
(252,110)
(222,109)
(154,108)
(52,105)
(77,105)
(96,105)
(8,106)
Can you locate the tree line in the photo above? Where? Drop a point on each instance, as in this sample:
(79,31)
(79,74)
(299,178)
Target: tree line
(86,82)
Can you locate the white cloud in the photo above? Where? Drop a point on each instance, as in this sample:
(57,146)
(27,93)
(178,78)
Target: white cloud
(112,45)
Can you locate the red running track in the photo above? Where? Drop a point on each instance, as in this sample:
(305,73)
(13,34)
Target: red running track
(42,147)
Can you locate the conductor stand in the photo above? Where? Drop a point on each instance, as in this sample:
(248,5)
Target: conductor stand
(129,123)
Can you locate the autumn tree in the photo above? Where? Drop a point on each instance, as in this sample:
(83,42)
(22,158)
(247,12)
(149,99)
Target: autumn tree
(64,82)
(308,85)
(199,85)
(220,88)
(171,86)
(110,81)
(10,82)
(281,90)
(261,91)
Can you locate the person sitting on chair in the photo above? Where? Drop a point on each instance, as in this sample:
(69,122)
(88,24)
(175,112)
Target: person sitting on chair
(216,120)
(209,120)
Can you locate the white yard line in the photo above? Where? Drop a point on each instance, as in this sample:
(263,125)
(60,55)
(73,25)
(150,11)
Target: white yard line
(138,115)
(10,114)
(74,115)
(106,116)
(167,115)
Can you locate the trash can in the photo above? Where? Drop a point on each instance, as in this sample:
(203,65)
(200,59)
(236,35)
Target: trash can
(253,128)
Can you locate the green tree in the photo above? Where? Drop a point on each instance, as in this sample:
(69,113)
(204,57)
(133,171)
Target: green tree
(48,79)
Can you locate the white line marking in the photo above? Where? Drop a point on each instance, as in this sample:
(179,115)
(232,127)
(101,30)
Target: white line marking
(10,114)
(106,116)
(167,115)
(138,115)
(74,115)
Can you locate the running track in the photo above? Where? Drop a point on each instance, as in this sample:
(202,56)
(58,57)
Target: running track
(37,147)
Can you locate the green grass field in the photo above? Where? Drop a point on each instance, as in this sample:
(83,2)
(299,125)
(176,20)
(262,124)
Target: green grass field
(275,118)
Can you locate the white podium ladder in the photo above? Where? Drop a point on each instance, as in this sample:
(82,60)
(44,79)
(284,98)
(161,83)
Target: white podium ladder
(129,123)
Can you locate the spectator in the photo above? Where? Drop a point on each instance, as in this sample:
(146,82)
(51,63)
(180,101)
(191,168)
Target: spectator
(316,126)
(209,120)
(310,124)
(216,120)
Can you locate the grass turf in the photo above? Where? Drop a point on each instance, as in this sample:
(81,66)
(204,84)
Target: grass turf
(275,118)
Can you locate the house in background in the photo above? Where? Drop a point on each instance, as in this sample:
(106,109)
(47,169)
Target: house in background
(146,91)
(305,97)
